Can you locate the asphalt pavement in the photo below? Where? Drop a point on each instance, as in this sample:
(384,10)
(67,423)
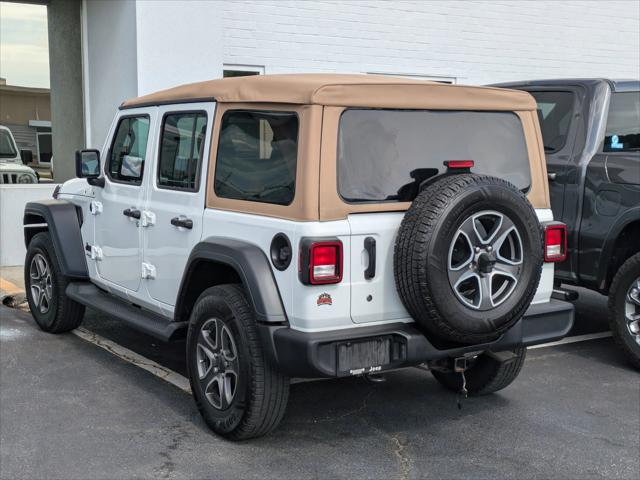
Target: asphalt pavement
(69,409)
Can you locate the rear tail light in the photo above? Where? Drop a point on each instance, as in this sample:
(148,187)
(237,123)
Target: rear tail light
(320,262)
(555,242)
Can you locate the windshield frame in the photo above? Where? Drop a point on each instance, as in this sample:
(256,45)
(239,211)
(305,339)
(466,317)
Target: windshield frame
(12,144)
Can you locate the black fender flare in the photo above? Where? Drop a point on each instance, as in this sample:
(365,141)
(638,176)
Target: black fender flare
(630,216)
(252,266)
(63,221)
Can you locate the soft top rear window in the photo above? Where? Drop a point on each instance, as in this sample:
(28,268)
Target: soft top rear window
(384,155)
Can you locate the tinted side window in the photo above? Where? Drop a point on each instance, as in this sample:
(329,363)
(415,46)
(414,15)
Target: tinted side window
(623,125)
(128,150)
(181,149)
(555,110)
(257,156)
(384,155)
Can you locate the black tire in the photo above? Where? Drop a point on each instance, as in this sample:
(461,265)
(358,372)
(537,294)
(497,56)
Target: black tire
(628,274)
(426,239)
(486,375)
(260,392)
(62,314)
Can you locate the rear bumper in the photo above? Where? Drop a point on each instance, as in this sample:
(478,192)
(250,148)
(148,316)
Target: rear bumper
(340,353)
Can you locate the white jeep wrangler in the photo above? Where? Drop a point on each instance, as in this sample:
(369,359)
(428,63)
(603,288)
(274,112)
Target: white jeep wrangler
(12,169)
(310,226)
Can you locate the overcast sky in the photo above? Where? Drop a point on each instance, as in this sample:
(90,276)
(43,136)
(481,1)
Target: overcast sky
(24,46)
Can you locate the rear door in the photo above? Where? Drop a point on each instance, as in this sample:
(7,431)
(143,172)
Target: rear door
(612,191)
(174,204)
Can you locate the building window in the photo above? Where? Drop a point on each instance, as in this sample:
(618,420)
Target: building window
(416,76)
(257,156)
(181,150)
(241,70)
(44,147)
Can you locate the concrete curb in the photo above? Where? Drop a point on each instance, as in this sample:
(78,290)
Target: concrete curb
(13,301)
(11,294)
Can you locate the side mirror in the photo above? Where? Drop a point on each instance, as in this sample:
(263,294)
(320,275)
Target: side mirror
(87,164)
(26,156)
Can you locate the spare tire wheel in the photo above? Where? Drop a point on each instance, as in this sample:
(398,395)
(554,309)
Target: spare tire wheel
(468,258)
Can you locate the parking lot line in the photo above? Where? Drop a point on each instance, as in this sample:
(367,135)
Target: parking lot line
(130,356)
(147,364)
(182,382)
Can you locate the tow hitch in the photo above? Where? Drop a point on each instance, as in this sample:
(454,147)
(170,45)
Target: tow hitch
(457,365)
(460,365)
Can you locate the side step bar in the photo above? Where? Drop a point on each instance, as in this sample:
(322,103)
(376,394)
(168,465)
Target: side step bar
(147,322)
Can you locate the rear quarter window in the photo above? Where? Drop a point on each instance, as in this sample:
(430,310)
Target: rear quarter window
(257,156)
(384,155)
(555,110)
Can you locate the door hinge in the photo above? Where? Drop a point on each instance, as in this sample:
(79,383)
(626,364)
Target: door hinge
(148,271)
(93,252)
(147,218)
(95,207)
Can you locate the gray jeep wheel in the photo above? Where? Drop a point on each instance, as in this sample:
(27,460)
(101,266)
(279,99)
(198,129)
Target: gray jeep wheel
(45,287)
(237,391)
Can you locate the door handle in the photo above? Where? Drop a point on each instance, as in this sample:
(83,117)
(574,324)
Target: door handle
(131,213)
(182,222)
(370,247)
(552,176)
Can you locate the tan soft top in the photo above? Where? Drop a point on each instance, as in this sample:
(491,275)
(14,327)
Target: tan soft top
(373,91)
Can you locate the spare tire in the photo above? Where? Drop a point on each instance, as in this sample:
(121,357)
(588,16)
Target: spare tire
(468,258)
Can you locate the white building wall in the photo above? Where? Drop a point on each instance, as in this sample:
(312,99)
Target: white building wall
(477,42)
(109,62)
(134,47)
(177,42)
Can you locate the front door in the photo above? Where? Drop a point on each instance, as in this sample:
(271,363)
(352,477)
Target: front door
(176,197)
(117,226)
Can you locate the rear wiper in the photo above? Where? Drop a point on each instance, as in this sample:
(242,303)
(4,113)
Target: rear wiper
(548,148)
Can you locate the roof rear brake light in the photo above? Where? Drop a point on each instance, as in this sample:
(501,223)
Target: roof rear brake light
(459,164)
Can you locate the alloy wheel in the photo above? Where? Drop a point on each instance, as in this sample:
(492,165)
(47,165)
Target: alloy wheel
(485,260)
(632,310)
(217,363)
(40,283)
